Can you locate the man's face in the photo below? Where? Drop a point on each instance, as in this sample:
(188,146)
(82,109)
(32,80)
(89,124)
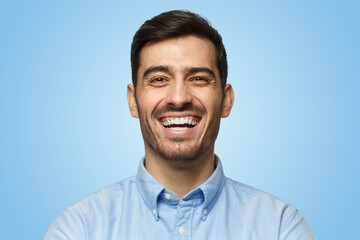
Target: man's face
(179,97)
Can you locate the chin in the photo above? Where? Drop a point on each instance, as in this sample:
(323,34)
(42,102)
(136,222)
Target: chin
(179,152)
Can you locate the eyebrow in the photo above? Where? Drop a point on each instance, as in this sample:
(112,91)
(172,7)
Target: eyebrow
(160,68)
(194,70)
(189,71)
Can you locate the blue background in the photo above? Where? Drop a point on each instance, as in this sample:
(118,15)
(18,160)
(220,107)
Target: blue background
(65,128)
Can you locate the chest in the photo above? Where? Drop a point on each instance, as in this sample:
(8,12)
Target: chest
(189,220)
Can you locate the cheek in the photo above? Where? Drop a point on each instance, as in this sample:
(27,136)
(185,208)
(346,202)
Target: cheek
(209,98)
(148,104)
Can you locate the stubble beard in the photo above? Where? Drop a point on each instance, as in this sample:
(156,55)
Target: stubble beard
(177,150)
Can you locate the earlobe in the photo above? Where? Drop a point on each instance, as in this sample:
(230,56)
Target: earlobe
(228,101)
(132,101)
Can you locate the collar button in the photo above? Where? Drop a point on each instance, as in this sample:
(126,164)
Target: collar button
(205,211)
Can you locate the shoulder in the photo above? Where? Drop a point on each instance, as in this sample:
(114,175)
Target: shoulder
(271,209)
(252,198)
(91,213)
(104,197)
(98,205)
(248,191)
(241,188)
(251,193)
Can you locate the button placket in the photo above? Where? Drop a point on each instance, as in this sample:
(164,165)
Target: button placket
(185,212)
(181,220)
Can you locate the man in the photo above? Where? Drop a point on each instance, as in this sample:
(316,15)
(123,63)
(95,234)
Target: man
(179,94)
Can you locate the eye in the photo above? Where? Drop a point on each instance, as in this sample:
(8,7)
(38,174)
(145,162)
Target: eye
(158,81)
(200,80)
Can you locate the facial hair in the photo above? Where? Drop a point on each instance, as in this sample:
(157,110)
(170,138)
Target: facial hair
(179,151)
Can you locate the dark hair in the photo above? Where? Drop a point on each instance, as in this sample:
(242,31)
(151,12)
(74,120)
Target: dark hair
(174,24)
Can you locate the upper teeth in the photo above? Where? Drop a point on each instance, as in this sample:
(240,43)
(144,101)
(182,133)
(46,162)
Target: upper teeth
(171,121)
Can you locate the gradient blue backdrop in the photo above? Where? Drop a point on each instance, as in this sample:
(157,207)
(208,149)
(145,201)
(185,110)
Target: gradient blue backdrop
(65,129)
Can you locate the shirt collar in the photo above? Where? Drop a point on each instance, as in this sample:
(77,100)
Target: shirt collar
(212,187)
(150,188)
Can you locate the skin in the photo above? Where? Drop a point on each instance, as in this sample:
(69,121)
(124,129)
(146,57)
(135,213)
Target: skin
(178,77)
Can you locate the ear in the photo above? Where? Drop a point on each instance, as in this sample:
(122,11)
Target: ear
(132,101)
(228,101)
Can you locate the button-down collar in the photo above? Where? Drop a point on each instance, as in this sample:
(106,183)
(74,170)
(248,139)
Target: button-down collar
(210,189)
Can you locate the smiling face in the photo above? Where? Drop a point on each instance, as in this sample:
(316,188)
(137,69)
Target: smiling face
(179,98)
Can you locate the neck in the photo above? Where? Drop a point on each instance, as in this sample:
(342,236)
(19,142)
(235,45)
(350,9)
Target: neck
(180,177)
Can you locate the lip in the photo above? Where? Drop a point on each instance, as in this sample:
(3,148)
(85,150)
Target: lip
(175,132)
(180,114)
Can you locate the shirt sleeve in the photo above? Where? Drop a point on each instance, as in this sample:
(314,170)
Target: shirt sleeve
(66,226)
(295,227)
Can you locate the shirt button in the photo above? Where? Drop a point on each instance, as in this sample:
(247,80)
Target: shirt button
(154,211)
(181,230)
(205,211)
(167,196)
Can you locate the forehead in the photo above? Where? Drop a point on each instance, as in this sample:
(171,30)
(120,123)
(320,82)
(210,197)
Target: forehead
(179,53)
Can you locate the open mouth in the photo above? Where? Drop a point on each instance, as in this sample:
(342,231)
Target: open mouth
(179,123)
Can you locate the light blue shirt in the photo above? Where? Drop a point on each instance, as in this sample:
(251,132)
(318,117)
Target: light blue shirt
(141,208)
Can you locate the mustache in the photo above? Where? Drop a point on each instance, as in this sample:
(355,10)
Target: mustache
(182,108)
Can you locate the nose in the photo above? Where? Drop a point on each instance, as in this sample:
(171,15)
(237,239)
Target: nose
(178,94)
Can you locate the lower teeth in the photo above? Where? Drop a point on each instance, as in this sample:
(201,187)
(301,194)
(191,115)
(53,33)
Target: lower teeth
(178,128)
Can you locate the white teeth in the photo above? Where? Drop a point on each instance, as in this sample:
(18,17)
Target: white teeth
(179,121)
(178,128)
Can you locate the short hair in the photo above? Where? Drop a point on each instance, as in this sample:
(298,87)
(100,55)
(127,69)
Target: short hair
(173,24)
